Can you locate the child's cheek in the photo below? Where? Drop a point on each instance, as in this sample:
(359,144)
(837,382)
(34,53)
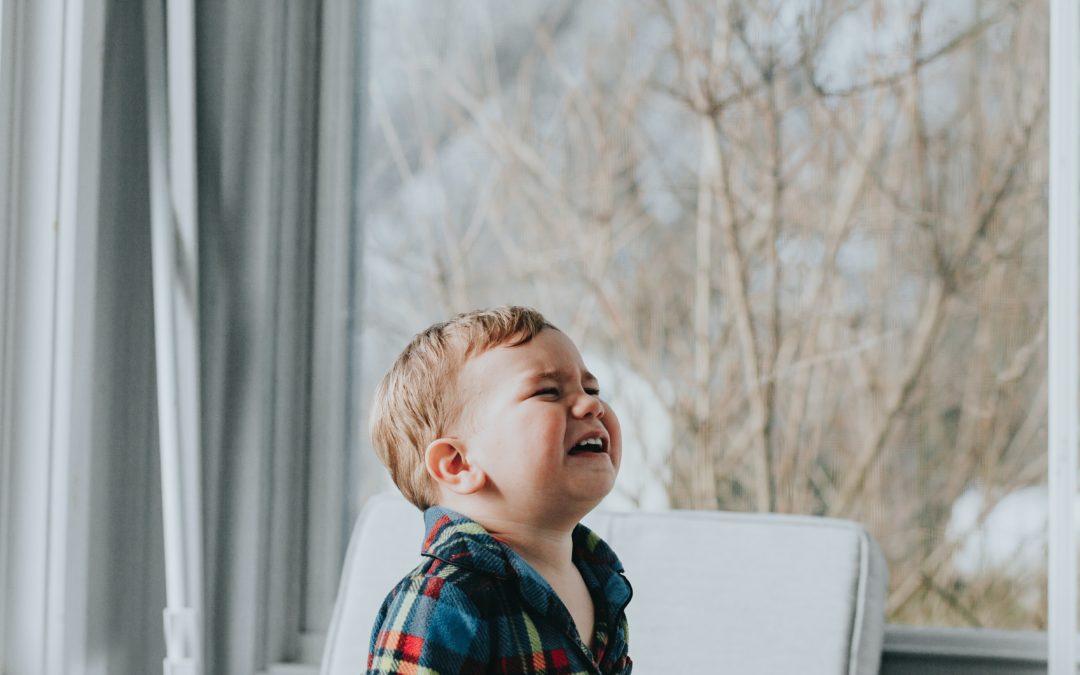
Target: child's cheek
(611,422)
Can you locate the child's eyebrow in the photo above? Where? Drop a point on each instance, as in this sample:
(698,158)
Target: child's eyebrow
(559,374)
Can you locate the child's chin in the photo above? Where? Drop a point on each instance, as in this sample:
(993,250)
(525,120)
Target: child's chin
(596,491)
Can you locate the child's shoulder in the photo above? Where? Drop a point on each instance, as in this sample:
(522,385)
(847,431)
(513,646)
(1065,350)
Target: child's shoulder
(446,583)
(436,617)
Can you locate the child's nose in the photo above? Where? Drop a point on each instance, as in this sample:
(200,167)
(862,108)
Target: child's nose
(588,405)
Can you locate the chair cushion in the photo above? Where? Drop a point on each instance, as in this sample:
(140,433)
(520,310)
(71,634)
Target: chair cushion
(713,592)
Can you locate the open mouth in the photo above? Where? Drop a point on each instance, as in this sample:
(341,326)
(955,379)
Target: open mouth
(595,445)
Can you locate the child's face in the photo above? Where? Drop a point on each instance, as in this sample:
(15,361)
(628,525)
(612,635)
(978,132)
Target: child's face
(524,410)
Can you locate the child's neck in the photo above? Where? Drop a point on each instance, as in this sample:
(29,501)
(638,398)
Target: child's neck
(548,548)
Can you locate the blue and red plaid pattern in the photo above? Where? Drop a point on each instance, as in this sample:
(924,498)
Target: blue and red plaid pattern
(474,606)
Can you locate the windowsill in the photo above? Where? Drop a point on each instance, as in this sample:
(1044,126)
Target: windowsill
(311,650)
(291,669)
(967,643)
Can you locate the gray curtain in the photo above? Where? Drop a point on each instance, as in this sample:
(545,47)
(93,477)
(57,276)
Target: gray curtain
(126,496)
(256,108)
(267,238)
(279,263)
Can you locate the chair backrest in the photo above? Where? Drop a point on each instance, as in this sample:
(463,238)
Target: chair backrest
(752,594)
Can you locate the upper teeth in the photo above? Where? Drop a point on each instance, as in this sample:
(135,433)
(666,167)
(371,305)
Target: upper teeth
(592,441)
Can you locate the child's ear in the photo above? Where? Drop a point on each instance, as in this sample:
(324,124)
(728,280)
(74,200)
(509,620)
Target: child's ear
(447,463)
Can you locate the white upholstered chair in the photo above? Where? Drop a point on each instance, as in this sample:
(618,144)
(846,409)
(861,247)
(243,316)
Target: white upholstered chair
(749,594)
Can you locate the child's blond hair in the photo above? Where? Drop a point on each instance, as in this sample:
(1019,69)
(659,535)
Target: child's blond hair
(416,400)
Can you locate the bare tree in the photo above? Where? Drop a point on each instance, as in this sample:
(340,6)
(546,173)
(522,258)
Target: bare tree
(826,259)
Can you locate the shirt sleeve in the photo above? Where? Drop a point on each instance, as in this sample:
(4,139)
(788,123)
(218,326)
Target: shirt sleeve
(428,626)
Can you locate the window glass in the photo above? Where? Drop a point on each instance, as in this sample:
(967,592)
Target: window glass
(803,244)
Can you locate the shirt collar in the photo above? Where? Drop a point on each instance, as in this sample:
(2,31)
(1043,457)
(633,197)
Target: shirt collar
(457,539)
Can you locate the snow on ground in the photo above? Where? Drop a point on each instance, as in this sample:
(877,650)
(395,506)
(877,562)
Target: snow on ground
(1012,538)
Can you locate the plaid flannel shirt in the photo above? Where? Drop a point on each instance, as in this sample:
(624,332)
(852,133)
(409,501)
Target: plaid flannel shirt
(474,606)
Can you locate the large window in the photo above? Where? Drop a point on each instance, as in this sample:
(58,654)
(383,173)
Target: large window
(803,242)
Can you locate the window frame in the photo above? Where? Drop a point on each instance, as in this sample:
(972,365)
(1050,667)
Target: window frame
(51,69)
(8,14)
(1064,334)
(1038,646)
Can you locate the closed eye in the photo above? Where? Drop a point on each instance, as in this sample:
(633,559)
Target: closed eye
(552,391)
